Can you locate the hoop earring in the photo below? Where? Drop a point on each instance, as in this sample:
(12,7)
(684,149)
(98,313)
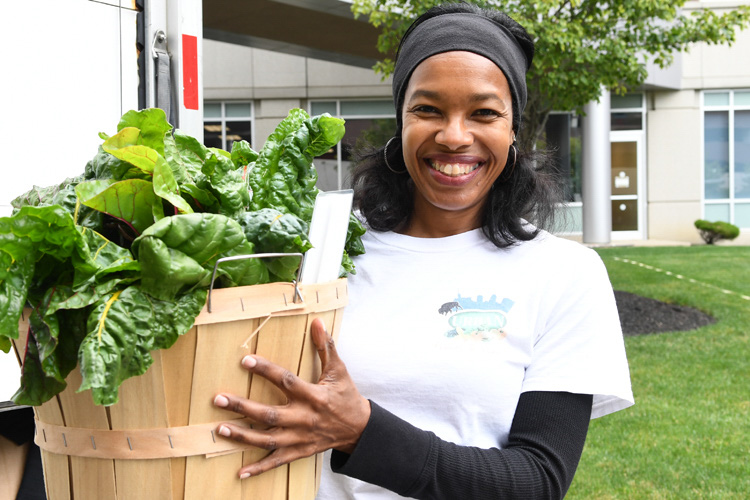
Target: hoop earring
(512,167)
(385,157)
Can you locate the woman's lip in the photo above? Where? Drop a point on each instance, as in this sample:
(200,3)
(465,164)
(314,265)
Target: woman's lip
(454,179)
(453,159)
(454,166)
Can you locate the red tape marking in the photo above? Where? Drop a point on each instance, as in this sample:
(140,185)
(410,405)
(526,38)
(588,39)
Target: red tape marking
(190,71)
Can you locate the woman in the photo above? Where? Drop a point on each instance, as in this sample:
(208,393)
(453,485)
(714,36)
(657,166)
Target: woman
(479,346)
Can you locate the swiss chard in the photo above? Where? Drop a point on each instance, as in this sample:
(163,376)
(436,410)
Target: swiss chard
(115,263)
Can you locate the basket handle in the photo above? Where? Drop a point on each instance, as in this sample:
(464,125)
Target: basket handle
(297,293)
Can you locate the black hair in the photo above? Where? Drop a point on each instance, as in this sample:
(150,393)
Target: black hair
(526,190)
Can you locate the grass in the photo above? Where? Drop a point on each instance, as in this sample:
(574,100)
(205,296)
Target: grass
(688,435)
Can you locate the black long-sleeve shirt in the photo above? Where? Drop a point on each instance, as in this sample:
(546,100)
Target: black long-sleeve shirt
(544,446)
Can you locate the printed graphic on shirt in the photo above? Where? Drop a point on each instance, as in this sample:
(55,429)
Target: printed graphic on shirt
(477,319)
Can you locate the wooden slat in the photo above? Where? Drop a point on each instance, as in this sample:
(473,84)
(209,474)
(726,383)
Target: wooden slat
(91,478)
(302,474)
(232,304)
(217,369)
(56,467)
(177,369)
(279,341)
(142,406)
(319,462)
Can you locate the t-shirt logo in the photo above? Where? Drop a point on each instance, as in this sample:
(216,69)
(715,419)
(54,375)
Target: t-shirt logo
(482,320)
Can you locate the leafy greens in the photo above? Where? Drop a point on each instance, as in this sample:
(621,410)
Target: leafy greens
(116,262)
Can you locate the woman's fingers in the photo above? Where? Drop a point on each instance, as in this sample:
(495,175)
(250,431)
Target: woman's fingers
(332,366)
(275,459)
(282,378)
(323,342)
(271,416)
(329,414)
(270,439)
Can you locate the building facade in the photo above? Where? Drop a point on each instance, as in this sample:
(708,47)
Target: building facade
(680,145)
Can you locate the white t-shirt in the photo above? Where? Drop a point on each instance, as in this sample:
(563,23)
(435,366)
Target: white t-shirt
(446,333)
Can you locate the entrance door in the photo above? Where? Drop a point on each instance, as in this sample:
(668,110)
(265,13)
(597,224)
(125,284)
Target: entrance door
(628,185)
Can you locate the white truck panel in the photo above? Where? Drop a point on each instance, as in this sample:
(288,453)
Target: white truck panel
(66,81)
(71,73)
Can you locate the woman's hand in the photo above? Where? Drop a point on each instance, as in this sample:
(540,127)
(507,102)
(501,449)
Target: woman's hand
(316,417)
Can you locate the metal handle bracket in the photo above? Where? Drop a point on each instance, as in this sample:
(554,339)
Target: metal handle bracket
(297,295)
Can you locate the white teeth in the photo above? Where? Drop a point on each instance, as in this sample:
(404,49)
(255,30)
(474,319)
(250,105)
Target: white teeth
(453,169)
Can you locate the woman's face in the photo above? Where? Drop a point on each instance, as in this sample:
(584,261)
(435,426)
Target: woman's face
(457,130)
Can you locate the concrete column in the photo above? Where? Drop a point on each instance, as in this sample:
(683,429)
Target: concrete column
(596,179)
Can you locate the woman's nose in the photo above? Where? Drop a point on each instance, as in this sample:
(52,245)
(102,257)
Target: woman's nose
(454,134)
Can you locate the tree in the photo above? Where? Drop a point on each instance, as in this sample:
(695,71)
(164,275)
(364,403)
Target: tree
(580,45)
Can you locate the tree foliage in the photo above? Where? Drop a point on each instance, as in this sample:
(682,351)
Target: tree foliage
(580,45)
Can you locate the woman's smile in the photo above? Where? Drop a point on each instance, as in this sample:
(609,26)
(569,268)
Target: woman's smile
(455,168)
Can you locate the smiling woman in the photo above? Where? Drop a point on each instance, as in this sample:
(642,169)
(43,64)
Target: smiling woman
(457,131)
(478,346)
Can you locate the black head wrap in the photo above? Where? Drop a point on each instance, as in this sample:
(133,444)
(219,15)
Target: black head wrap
(467,32)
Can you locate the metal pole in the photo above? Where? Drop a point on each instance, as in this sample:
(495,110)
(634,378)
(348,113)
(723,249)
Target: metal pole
(596,172)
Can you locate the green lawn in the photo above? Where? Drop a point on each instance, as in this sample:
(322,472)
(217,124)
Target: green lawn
(688,435)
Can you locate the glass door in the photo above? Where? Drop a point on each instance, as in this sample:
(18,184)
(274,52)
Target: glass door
(628,181)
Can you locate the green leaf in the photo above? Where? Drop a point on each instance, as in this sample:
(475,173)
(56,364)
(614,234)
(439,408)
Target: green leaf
(149,161)
(226,182)
(152,123)
(271,232)
(107,256)
(62,194)
(23,237)
(179,252)
(132,201)
(15,279)
(142,157)
(166,186)
(166,271)
(186,157)
(106,166)
(36,386)
(243,154)
(122,332)
(283,177)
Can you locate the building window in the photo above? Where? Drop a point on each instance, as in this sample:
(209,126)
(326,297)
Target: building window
(627,112)
(227,122)
(368,123)
(563,136)
(726,157)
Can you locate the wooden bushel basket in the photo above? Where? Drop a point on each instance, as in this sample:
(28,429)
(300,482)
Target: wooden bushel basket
(159,440)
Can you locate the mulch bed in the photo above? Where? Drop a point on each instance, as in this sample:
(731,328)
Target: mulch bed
(641,315)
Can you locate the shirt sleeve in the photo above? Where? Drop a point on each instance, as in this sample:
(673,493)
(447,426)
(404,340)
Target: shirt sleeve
(545,444)
(579,345)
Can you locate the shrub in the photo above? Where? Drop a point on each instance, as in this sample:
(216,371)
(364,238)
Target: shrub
(711,232)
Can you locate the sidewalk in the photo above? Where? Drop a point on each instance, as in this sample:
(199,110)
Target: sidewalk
(630,243)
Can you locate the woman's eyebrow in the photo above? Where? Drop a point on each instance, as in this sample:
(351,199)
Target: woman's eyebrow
(420,93)
(431,94)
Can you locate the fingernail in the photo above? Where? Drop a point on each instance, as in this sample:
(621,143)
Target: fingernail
(249,362)
(224,431)
(221,401)
(244,475)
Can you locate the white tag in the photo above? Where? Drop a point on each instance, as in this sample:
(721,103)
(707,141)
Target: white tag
(330,222)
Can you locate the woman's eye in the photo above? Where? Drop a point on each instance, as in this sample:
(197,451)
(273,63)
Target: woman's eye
(425,109)
(486,112)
